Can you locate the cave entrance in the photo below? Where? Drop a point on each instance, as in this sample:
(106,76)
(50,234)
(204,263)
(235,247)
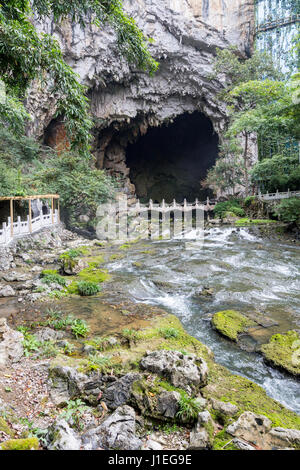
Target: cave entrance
(170,161)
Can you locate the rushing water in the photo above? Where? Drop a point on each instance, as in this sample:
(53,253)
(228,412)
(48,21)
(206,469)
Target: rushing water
(246,273)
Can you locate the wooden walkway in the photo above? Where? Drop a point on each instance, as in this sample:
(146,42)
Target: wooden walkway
(11,230)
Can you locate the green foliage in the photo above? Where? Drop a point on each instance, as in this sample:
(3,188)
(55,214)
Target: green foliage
(249,200)
(79,328)
(81,187)
(98,362)
(260,103)
(87,288)
(30,343)
(169,333)
(288,210)
(73,412)
(189,408)
(26,55)
(277,173)
(54,279)
(130,334)
(233,206)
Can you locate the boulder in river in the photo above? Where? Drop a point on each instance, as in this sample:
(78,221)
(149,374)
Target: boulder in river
(230,323)
(283,352)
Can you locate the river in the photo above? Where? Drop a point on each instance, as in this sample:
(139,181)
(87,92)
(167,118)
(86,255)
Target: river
(246,273)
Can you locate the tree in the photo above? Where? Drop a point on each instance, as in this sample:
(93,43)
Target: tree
(259,103)
(26,55)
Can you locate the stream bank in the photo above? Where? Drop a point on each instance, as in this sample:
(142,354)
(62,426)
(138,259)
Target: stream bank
(130,310)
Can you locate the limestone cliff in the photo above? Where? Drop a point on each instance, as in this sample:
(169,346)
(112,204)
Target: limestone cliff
(126,101)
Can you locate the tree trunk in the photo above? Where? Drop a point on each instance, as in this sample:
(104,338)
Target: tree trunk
(245,158)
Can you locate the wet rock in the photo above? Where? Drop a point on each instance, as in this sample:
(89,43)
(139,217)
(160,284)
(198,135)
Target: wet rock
(6,291)
(230,323)
(224,407)
(62,437)
(117,432)
(65,383)
(11,344)
(204,292)
(168,404)
(119,392)
(251,428)
(202,435)
(183,371)
(48,334)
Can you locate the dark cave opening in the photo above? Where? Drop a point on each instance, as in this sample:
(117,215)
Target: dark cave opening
(170,161)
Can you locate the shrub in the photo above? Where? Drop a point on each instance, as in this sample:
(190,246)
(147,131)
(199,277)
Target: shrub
(189,408)
(79,328)
(53,279)
(169,333)
(249,200)
(229,206)
(288,210)
(86,288)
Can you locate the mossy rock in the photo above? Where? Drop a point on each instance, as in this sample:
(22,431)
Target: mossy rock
(283,352)
(31,443)
(4,427)
(93,274)
(247,221)
(231,323)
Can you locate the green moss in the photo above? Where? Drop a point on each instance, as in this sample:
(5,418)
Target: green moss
(231,323)
(116,256)
(20,444)
(45,272)
(4,427)
(247,396)
(93,274)
(282,351)
(223,441)
(247,221)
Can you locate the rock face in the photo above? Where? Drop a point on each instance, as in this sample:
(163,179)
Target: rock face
(65,384)
(117,432)
(202,435)
(62,437)
(118,393)
(257,430)
(6,291)
(183,371)
(168,404)
(126,102)
(11,344)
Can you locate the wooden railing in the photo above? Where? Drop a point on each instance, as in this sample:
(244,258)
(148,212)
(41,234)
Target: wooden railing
(24,227)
